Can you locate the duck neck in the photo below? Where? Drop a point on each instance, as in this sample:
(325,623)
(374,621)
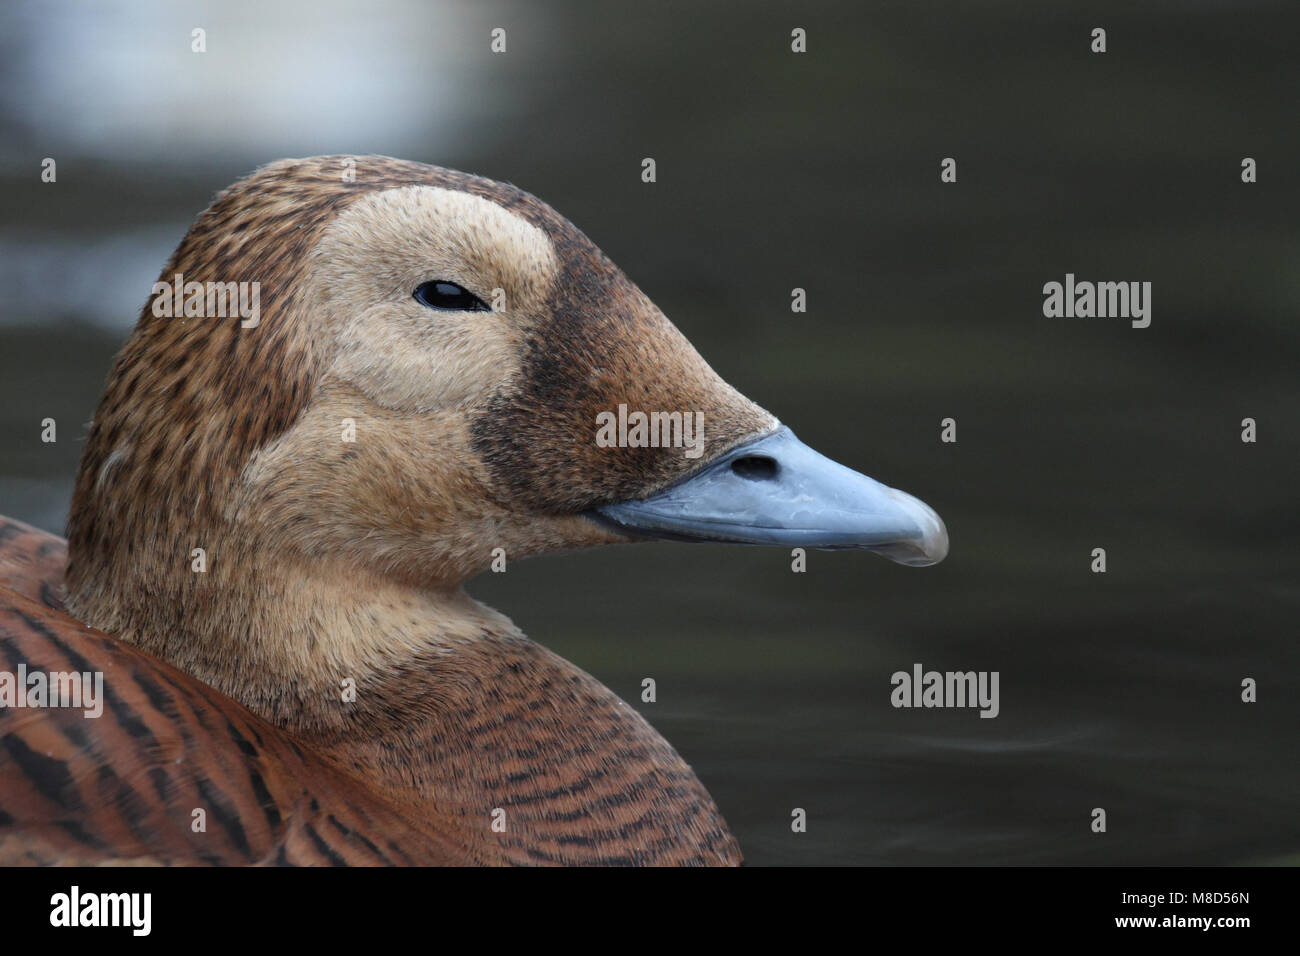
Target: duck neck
(445,708)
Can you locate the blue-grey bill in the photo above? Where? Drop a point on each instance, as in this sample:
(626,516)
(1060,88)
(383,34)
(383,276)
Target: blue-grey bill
(778,491)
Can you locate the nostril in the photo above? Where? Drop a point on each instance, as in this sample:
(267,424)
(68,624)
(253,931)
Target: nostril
(755,467)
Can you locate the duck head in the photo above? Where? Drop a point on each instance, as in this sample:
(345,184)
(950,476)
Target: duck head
(440,366)
(432,370)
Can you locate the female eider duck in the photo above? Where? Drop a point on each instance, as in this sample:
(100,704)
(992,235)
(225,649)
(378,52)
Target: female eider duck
(273,521)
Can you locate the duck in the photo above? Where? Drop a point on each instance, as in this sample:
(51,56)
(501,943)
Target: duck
(273,522)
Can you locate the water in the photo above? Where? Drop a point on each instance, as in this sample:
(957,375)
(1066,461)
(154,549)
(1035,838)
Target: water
(1119,690)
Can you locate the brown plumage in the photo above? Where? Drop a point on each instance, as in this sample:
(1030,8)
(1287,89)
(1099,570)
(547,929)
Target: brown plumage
(335,564)
(122,788)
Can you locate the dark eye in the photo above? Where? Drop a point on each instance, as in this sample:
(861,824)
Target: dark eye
(448,295)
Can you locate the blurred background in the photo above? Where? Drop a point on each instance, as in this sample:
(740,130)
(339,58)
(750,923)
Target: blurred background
(821,171)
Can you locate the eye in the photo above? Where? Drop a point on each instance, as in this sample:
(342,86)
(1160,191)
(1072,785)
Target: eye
(447,295)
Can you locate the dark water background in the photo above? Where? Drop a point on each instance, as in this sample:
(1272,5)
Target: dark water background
(820,171)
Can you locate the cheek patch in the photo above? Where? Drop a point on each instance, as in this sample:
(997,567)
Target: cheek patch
(403,361)
(404,355)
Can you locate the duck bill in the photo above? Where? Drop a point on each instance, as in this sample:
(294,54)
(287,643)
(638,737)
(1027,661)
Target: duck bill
(778,491)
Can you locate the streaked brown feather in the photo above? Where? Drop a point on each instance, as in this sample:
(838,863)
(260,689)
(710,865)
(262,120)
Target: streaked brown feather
(32,562)
(122,788)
